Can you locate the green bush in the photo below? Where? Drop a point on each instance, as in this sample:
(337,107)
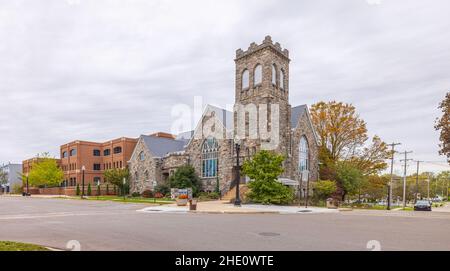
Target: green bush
(163,189)
(89,190)
(17,188)
(78,192)
(147,194)
(135,194)
(186,177)
(270,192)
(208,196)
(324,189)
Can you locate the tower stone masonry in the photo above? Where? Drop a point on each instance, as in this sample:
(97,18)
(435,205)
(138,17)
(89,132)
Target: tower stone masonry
(262,115)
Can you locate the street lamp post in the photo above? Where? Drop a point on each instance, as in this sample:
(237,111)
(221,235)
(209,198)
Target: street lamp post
(237,201)
(83,168)
(305,174)
(28,191)
(123,188)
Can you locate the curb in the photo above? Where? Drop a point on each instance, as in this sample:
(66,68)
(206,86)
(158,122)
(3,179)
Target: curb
(234,212)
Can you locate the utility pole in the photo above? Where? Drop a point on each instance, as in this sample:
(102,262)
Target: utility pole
(404,176)
(417,181)
(392,174)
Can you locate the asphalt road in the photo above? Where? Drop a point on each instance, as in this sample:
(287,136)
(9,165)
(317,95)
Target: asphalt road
(100,225)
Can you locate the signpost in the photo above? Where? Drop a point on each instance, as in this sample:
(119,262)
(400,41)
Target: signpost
(305,178)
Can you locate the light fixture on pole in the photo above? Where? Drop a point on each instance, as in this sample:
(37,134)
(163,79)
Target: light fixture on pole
(123,187)
(237,144)
(83,169)
(28,191)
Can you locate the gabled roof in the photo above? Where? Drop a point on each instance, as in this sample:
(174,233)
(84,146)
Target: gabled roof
(225,116)
(161,146)
(296,113)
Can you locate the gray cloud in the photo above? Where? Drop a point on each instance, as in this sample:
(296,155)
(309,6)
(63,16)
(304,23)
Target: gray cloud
(96,70)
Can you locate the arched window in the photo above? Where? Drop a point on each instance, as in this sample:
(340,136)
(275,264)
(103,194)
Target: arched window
(141,156)
(64,154)
(274,74)
(73,152)
(106,152)
(282,79)
(303,155)
(245,79)
(210,151)
(117,150)
(258,75)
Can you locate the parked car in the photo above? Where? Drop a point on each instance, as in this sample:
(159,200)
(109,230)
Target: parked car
(437,199)
(422,205)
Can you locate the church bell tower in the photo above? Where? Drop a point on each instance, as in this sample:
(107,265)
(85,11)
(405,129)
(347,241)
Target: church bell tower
(262,80)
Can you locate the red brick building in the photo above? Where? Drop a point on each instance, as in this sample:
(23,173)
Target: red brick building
(95,157)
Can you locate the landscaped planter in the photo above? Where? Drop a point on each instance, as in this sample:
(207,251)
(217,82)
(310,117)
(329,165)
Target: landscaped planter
(182,202)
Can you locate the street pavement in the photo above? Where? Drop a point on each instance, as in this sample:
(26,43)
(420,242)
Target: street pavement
(102,225)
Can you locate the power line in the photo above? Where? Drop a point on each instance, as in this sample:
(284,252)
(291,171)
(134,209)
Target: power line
(404,176)
(393,144)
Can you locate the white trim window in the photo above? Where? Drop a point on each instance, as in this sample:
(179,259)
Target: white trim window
(303,155)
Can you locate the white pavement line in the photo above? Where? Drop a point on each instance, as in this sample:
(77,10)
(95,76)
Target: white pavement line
(48,215)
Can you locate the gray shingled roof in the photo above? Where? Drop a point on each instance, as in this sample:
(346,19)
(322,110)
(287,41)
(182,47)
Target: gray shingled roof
(296,113)
(160,146)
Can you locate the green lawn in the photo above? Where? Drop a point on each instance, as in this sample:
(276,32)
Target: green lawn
(130,200)
(14,246)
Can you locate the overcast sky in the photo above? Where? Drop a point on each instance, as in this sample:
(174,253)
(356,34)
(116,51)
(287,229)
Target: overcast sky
(97,70)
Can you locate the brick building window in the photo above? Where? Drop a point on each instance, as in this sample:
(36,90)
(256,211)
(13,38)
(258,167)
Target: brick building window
(97,180)
(106,152)
(97,166)
(210,152)
(96,152)
(64,154)
(117,150)
(73,152)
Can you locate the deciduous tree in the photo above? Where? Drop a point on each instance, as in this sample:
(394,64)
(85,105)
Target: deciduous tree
(443,125)
(116,176)
(263,169)
(45,172)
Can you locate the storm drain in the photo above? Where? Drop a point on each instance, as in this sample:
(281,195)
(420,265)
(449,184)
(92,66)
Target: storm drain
(269,234)
(304,211)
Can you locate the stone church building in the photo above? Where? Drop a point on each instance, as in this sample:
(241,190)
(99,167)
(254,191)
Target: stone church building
(262,119)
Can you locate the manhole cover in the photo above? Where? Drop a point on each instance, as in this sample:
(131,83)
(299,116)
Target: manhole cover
(269,234)
(305,211)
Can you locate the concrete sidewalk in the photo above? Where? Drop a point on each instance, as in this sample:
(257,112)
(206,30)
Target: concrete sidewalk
(224,207)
